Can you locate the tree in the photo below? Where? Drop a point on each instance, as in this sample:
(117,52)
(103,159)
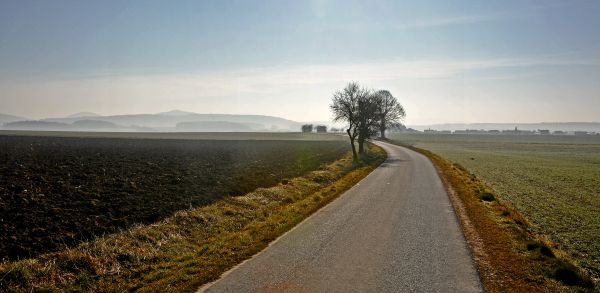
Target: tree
(366,113)
(389,111)
(307,128)
(396,127)
(321,129)
(368,120)
(344,107)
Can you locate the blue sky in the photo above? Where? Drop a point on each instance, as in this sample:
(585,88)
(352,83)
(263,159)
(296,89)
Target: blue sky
(446,61)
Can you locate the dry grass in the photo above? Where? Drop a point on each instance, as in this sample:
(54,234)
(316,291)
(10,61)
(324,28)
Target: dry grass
(509,255)
(192,247)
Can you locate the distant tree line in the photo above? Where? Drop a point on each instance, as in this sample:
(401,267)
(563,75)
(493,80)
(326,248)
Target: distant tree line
(309,128)
(367,113)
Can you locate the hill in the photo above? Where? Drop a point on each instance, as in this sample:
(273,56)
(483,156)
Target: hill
(83,114)
(94,125)
(168,121)
(217,126)
(5,118)
(37,125)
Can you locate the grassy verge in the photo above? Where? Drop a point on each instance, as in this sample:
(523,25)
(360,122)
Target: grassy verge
(192,247)
(509,256)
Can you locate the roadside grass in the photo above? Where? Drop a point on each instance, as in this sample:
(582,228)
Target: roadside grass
(192,247)
(510,254)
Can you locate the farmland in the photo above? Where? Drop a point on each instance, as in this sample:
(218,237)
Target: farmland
(554,181)
(59,191)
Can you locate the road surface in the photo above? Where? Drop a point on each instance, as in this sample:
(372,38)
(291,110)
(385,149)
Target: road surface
(395,231)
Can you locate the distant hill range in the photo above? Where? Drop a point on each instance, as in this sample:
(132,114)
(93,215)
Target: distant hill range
(5,118)
(552,126)
(167,121)
(83,114)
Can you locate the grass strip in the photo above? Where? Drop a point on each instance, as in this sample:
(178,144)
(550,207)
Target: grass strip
(509,256)
(192,247)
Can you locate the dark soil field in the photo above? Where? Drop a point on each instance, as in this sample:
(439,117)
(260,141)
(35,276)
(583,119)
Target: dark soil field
(58,191)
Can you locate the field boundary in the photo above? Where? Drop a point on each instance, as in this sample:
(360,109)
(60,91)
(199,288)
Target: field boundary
(508,255)
(192,247)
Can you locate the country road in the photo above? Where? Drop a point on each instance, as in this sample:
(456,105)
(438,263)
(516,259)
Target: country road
(395,231)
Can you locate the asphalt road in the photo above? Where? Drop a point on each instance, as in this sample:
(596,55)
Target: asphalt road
(395,231)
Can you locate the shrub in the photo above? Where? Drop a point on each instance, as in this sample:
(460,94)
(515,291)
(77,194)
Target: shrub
(541,247)
(570,275)
(533,245)
(546,251)
(486,196)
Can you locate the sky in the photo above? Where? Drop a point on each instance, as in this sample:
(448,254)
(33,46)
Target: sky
(445,61)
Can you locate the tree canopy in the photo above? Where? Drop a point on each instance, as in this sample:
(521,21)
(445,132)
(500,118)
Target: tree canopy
(366,111)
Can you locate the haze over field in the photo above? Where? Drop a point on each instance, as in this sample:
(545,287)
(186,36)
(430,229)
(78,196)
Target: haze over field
(446,61)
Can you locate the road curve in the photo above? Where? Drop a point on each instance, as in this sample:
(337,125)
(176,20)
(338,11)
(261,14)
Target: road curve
(395,231)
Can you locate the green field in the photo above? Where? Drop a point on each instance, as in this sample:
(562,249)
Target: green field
(554,181)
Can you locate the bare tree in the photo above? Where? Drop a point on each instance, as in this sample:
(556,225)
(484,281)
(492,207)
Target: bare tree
(368,120)
(366,113)
(345,108)
(389,111)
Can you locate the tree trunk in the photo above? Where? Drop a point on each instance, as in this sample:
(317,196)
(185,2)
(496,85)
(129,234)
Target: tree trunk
(361,146)
(382,128)
(354,156)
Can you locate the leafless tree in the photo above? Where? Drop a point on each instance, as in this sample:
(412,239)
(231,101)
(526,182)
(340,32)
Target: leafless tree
(366,112)
(368,120)
(344,107)
(389,110)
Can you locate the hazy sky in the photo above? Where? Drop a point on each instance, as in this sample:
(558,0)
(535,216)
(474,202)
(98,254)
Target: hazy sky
(446,61)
